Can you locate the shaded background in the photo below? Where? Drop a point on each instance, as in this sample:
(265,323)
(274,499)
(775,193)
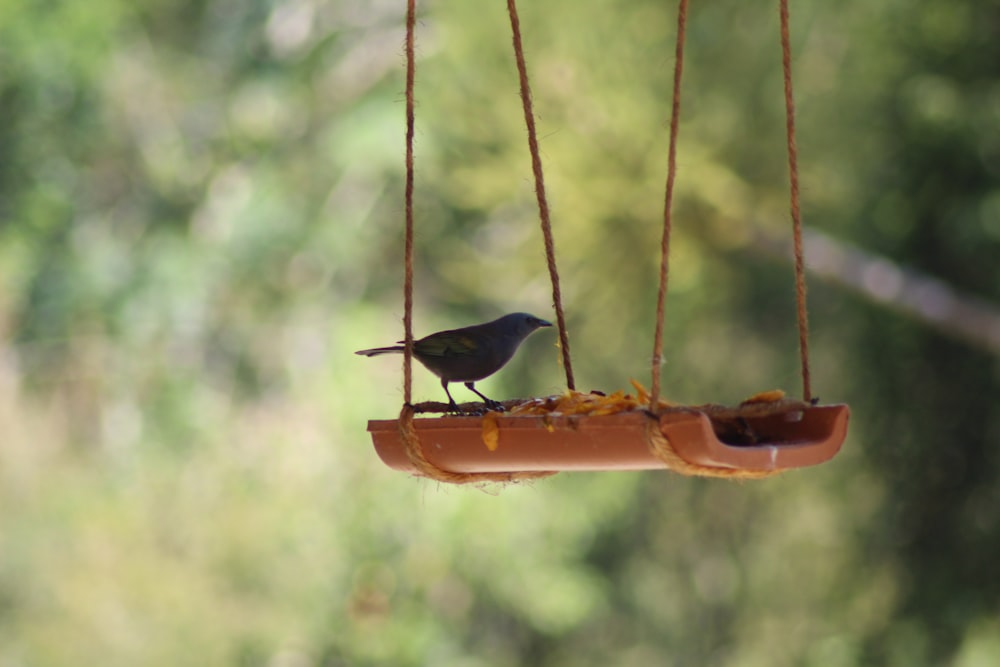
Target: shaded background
(200,221)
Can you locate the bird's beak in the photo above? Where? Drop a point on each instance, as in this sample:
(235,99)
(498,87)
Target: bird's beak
(543,323)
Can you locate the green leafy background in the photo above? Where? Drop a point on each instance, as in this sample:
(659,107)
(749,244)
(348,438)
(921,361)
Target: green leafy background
(200,221)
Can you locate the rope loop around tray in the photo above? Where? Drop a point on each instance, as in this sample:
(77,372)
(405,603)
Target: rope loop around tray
(425,468)
(660,445)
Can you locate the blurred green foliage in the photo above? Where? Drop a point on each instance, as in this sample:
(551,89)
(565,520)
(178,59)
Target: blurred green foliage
(200,220)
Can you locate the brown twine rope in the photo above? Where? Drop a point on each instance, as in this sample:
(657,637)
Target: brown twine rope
(802,313)
(663,450)
(657,441)
(411,20)
(407,429)
(661,296)
(543,206)
(424,467)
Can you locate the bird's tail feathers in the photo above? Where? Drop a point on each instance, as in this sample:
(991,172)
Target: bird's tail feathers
(375,351)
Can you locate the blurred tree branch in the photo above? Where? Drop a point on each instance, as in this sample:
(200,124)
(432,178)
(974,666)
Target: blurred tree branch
(930,300)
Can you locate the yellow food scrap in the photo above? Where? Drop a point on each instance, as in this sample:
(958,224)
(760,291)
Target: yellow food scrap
(766,397)
(579,403)
(733,425)
(640,390)
(644,396)
(491,431)
(595,403)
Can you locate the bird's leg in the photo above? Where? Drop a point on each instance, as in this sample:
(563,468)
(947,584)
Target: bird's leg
(452,405)
(490,403)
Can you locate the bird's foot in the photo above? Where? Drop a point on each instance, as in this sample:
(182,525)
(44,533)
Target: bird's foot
(494,406)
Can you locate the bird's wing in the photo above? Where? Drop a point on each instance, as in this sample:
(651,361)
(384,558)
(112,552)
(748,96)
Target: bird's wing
(449,344)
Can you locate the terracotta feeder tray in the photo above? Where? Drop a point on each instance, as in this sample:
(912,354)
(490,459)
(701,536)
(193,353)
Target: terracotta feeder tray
(707,436)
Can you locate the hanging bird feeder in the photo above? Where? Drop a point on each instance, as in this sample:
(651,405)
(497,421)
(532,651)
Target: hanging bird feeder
(687,440)
(532,438)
